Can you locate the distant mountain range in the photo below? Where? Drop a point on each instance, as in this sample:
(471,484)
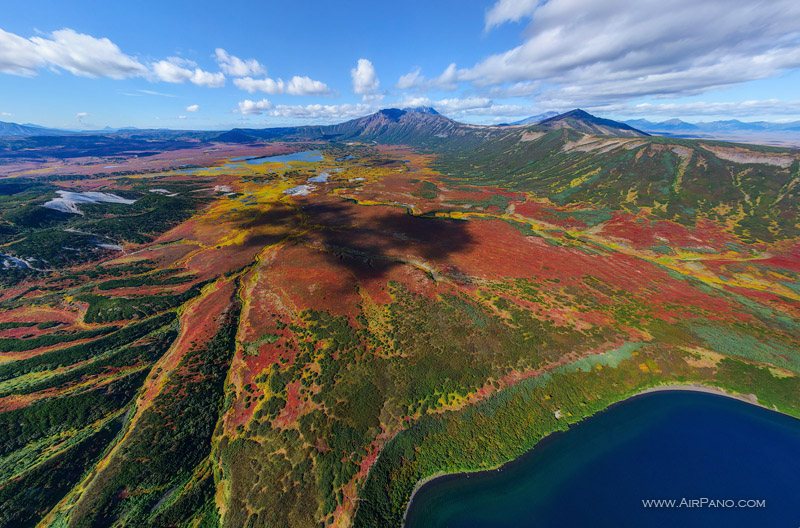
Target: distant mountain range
(27,130)
(414,124)
(731,125)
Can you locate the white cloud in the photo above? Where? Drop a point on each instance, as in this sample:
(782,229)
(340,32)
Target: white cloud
(153,92)
(519,89)
(248,107)
(306,86)
(178,70)
(181,117)
(319,111)
(448,77)
(68,50)
(193,108)
(172,70)
(589,51)
(18,55)
(236,67)
(468,106)
(297,85)
(414,79)
(365,80)
(459,105)
(80,116)
(204,78)
(509,11)
(270,86)
(413,102)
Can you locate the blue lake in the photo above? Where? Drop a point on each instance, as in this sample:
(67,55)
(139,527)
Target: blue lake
(664,445)
(309,156)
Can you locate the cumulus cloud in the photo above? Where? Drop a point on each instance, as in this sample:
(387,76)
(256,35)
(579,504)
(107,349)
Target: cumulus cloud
(324,112)
(236,67)
(68,50)
(204,78)
(179,70)
(193,108)
(317,112)
(270,86)
(365,80)
(414,79)
(297,85)
(306,86)
(457,105)
(469,106)
(599,51)
(248,107)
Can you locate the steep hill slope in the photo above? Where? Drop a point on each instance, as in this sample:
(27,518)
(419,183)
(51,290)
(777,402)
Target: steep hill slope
(752,189)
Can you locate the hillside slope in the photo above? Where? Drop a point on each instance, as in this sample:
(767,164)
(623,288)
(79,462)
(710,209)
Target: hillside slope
(752,189)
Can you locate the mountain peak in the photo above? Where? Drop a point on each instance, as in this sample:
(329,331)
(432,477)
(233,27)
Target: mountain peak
(578,114)
(422,110)
(393,114)
(586,123)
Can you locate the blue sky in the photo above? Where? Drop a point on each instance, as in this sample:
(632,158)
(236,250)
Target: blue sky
(181,64)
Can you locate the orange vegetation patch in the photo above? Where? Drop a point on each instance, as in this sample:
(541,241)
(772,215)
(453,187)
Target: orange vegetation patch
(643,232)
(546,212)
(39,314)
(298,403)
(788,259)
(165,256)
(199,322)
(324,286)
(497,250)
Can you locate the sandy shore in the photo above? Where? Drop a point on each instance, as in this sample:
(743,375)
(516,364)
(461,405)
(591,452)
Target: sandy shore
(690,387)
(710,389)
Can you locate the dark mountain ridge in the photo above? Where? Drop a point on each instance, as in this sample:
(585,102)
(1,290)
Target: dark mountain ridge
(587,123)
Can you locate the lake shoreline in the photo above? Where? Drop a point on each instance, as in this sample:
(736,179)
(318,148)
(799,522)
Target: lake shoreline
(667,387)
